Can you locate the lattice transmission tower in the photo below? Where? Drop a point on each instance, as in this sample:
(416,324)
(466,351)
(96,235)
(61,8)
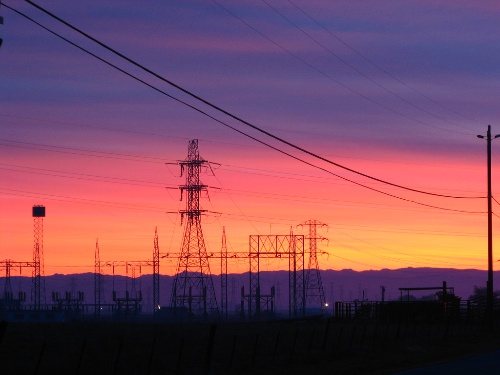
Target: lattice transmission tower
(156,275)
(97,281)
(38,290)
(223,275)
(193,289)
(315,294)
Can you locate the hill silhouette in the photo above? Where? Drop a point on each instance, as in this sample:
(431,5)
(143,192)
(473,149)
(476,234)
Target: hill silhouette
(339,285)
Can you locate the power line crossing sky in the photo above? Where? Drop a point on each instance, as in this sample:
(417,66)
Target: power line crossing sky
(397,93)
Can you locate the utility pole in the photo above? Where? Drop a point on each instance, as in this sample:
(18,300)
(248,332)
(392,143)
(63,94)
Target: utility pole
(489,283)
(382,288)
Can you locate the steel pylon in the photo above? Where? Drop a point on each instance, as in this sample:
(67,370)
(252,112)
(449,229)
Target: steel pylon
(193,290)
(315,294)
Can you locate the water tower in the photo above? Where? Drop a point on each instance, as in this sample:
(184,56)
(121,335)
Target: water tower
(38,290)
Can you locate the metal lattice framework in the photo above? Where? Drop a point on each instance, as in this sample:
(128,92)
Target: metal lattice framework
(97,281)
(131,265)
(223,274)
(193,288)
(156,275)
(128,300)
(38,289)
(315,294)
(8,264)
(278,246)
(7,291)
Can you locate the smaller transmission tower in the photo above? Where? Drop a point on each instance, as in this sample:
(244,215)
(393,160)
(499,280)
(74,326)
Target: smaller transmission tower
(7,291)
(156,275)
(315,294)
(223,274)
(193,289)
(97,281)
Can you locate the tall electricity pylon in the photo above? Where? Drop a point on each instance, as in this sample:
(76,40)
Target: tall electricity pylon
(38,291)
(315,294)
(193,288)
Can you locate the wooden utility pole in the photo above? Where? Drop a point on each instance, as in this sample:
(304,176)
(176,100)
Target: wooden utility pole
(489,283)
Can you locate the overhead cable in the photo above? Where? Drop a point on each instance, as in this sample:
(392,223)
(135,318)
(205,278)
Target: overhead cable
(279,139)
(379,67)
(328,76)
(345,62)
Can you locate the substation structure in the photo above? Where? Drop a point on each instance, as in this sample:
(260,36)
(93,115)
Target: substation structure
(193,293)
(10,302)
(290,247)
(255,304)
(126,303)
(38,299)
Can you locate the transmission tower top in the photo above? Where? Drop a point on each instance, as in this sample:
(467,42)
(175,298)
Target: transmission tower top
(38,211)
(191,169)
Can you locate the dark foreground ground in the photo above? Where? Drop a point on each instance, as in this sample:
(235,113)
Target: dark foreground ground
(313,346)
(431,358)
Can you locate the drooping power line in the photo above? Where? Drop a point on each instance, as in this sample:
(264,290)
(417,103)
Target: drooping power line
(371,62)
(206,102)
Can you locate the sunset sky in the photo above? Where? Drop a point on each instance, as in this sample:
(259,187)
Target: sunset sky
(395,90)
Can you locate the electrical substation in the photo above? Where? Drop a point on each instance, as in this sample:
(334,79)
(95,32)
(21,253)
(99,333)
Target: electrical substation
(193,293)
(129,290)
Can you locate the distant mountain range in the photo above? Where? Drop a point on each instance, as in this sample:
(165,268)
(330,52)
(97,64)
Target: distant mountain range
(343,285)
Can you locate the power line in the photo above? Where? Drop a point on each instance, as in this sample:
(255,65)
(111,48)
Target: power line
(332,78)
(232,200)
(147,159)
(253,126)
(358,70)
(288,222)
(379,67)
(279,139)
(151,184)
(495,200)
(372,254)
(135,158)
(64,123)
(350,260)
(239,145)
(393,251)
(80,151)
(81,176)
(62,198)
(323,169)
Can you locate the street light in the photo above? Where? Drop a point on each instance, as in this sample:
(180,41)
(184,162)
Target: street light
(489,283)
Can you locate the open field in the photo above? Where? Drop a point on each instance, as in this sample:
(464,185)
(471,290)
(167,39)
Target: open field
(320,346)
